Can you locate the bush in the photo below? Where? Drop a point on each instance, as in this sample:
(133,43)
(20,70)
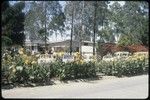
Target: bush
(21,68)
(75,70)
(124,67)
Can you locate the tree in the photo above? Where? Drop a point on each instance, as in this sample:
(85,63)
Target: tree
(5,39)
(70,12)
(131,21)
(94,26)
(44,18)
(84,17)
(98,18)
(13,23)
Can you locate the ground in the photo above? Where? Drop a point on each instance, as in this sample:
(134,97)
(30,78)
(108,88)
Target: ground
(127,87)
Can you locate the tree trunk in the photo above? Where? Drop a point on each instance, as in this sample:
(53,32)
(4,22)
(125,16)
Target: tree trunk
(82,32)
(72,29)
(45,29)
(94,27)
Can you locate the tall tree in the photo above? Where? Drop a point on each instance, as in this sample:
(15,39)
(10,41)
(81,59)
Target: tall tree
(13,22)
(71,14)
(98,18)
(94,26)
(131,21)
(5,28)
(72,27)
(84,17)
(44,18)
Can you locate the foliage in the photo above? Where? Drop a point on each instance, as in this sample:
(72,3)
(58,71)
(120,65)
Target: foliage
(22,68)
(129,67)
(126,40)
(13,23)
(75,70)
(44,16)
(14,66)
(131,21)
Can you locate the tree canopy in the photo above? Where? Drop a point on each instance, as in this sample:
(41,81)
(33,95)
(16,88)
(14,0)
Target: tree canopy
(12,23)
(122,24)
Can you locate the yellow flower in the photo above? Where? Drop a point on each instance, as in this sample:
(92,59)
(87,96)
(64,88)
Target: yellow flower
(26,61)
(81,61)
(21,49)
(33,62)
(20,52)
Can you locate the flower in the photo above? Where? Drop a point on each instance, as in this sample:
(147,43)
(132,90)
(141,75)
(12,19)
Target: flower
(21,51)
(33,62)
(14,70)
(26,61)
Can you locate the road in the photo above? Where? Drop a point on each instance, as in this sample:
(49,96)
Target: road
(127,88)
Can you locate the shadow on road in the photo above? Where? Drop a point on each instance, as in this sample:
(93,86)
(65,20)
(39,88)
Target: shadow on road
(11,86)
(51,82)
(89,80)
(55,82)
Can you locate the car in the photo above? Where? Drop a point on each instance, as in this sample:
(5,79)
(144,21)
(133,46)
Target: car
(67,58)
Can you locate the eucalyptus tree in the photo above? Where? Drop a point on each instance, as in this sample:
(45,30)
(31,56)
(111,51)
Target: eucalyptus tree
(115,23)
(131,21)
(136,21)
(99,10)
(86,18)
(44,18)
(72,15)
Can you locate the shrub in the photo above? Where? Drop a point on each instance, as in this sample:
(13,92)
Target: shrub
(124,67)
(73,70)
(22,68)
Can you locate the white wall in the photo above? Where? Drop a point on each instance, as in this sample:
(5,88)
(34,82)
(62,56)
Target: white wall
(88,49)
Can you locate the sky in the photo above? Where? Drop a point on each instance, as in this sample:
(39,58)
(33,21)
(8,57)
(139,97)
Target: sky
(60,38)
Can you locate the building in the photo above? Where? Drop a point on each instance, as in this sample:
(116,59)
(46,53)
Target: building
(62,46)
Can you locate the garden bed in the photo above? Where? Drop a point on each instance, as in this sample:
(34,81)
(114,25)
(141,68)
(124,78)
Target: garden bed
(24,69)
